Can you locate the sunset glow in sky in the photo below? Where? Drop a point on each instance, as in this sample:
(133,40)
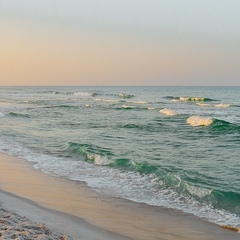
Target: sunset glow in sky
(126,42)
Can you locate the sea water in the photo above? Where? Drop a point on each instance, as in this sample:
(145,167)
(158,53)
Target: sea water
(175,147)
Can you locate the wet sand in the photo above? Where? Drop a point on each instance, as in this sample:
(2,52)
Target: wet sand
(71,208)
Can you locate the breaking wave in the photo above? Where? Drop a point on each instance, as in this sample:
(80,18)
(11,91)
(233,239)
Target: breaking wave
(222,105)
(177,189)
(128,107)
(125,96)
(197,121)
(169,112)
(203,104)
(216,124)
(85,94)
(189,99)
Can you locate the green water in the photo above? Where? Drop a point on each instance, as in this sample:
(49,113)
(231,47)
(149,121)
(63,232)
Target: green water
(174,147)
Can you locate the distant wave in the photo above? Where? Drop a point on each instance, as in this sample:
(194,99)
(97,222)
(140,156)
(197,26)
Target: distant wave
(88,105)
(169,97)
(13,114)
(203,104)
(128,107)
(54,92)
(222,105)
(168,112)
(138,102)
(125,96)
(107,100)
(216,124)
(63,106)
(82,94)
(85,94)
(189,99)
(197,121)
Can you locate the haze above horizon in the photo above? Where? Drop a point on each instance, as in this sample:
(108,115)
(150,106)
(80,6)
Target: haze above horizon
(116,43)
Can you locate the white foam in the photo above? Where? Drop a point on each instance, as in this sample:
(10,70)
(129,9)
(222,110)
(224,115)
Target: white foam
(150,108)
(146,188)
(200,192)
(88,105)
(101,161)
(222,105)
(124,95)
(138,102)
(82,94)
(127,106)
(195,99)
(106,100)
(2,114)
(203,104)
(168,112)
(196,121)
(188,99)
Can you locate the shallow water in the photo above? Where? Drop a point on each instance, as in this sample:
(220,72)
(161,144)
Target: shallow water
(175,147)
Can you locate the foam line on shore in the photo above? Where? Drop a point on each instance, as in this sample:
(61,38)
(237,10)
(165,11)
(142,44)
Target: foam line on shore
(114,218)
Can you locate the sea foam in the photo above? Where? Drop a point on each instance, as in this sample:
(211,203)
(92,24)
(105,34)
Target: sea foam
(192,99)
(196,121)
(138,102)
(168,112)
(222,105)
(127,106)
(82,94)
(101,160)
(203,104)
(88,105)
(124,95)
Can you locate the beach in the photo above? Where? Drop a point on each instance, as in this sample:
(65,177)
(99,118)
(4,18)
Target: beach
(72,210)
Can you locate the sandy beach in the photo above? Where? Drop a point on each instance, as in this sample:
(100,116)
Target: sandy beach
(64,209)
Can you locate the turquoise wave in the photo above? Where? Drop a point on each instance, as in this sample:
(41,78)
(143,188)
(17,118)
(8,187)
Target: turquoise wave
(224,126)
(215,198)
(217,125)
(87,149)
(22,115)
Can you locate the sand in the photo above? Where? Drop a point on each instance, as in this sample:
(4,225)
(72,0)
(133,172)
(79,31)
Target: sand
(72,209)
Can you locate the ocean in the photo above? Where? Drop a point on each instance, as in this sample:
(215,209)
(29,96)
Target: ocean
(174,147)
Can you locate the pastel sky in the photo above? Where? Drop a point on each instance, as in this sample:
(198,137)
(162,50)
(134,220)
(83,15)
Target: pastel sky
(120,42)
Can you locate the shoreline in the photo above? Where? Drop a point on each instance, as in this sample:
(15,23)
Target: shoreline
(79,212)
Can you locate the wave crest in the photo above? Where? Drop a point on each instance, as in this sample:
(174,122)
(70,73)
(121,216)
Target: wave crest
(125,96)
(191,99)
(82,94)
(168,112)
(222,105)
(197,121)
(14,114)
(128,107)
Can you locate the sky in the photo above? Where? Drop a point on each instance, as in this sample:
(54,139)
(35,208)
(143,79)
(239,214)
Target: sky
(120,42)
